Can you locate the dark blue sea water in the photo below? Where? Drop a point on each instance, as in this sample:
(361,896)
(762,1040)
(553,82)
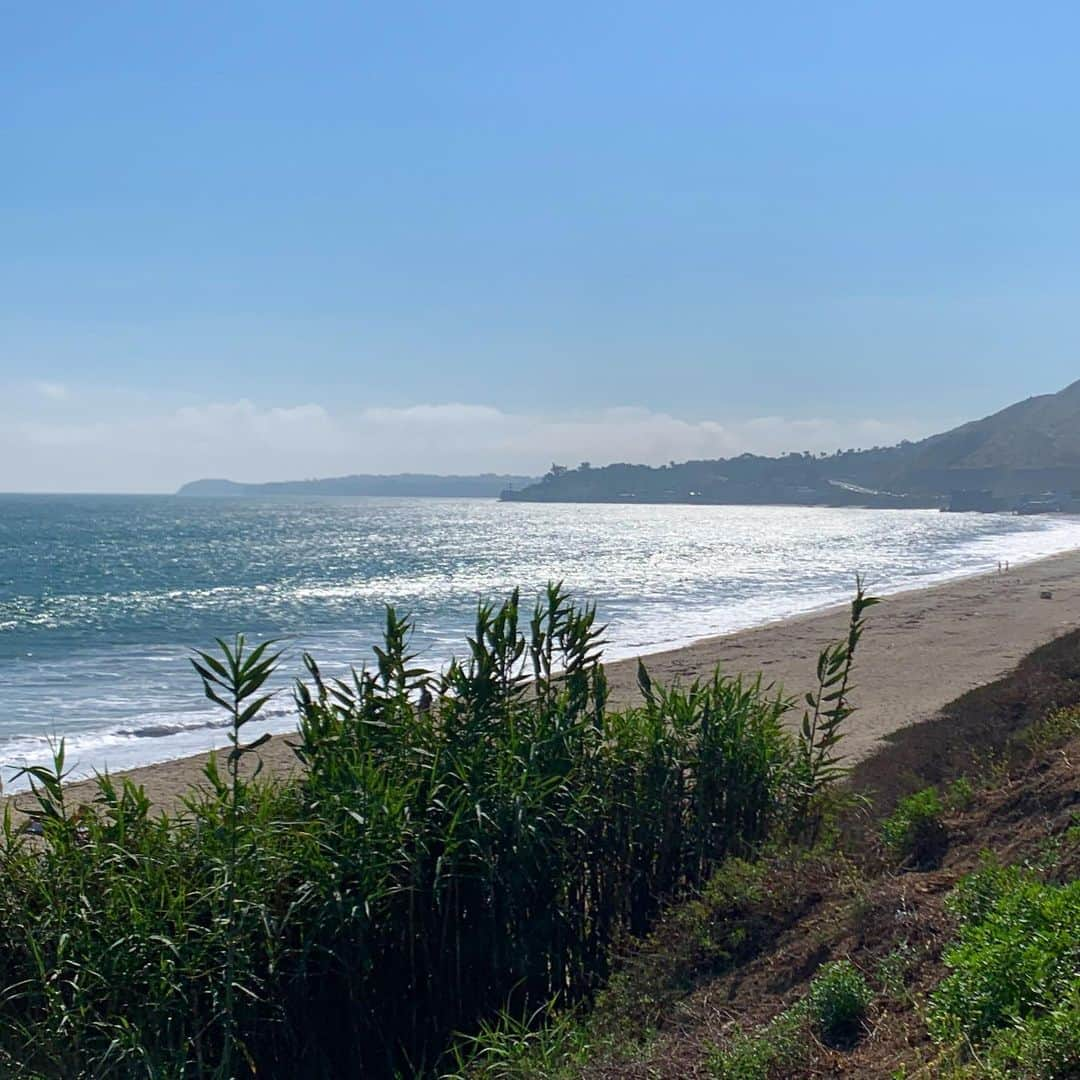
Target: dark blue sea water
(102,598)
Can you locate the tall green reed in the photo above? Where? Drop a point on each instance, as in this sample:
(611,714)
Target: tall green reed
(458,843)
(818,764)
(233,683)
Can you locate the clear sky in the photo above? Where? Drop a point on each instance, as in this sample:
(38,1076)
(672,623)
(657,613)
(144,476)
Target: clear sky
(278,239)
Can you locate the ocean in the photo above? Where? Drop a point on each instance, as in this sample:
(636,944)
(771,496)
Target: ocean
(102,598)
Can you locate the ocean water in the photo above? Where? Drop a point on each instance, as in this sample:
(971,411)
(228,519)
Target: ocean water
(103,598)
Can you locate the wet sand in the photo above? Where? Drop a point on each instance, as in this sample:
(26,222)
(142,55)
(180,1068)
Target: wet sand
(921,650)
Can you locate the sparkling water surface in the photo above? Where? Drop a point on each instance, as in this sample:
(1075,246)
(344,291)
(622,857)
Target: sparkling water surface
(102,598)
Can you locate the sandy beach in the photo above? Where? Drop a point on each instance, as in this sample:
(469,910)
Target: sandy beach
(922,649)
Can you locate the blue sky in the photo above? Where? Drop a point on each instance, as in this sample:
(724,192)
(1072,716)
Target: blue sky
(267,240)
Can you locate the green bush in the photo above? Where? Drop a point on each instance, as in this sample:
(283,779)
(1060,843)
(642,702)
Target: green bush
(838,1000)
(1014,980)
(893,969)
(960,794)
(457,845)
(914,833)
(1039,1048)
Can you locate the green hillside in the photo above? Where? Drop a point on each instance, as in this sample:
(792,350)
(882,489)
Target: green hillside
(1003,461)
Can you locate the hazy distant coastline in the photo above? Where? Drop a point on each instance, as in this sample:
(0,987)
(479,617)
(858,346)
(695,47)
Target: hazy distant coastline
(484,485)
(1025,458)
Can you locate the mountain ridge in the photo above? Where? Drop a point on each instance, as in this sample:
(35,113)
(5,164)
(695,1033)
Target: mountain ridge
(1025,456)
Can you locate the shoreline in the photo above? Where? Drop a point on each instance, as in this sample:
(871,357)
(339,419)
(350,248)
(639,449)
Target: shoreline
(923,647)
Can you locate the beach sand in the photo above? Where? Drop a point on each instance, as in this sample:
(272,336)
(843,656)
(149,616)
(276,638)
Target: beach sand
(921,649)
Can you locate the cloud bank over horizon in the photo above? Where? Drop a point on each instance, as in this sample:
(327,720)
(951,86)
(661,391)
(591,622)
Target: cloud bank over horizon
(108,445)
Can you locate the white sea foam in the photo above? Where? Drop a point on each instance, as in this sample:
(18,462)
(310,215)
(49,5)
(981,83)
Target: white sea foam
(155,737)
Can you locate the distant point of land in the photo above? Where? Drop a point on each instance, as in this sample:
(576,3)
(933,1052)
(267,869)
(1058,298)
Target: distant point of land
(485,485)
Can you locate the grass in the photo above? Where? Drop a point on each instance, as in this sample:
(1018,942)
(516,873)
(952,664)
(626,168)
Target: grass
(778,1047)
(542,1046)
(460,854)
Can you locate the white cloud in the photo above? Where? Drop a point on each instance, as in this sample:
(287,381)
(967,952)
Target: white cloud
(435,414)
(137,450)
(54,391)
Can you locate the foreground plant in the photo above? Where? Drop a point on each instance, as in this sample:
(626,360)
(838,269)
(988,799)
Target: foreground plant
(819,765)
(459,846)
(232,682)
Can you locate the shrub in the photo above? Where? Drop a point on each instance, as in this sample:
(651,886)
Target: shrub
(960,795)
(914,833)
(1015,970)
(1039,1048)
(838,1000)
(1057,727)
(893,969)
(836,1005)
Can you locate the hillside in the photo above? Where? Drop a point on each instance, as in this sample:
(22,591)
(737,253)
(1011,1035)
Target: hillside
(1040,433)
(915,942)
(486,485)
(1002,461)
